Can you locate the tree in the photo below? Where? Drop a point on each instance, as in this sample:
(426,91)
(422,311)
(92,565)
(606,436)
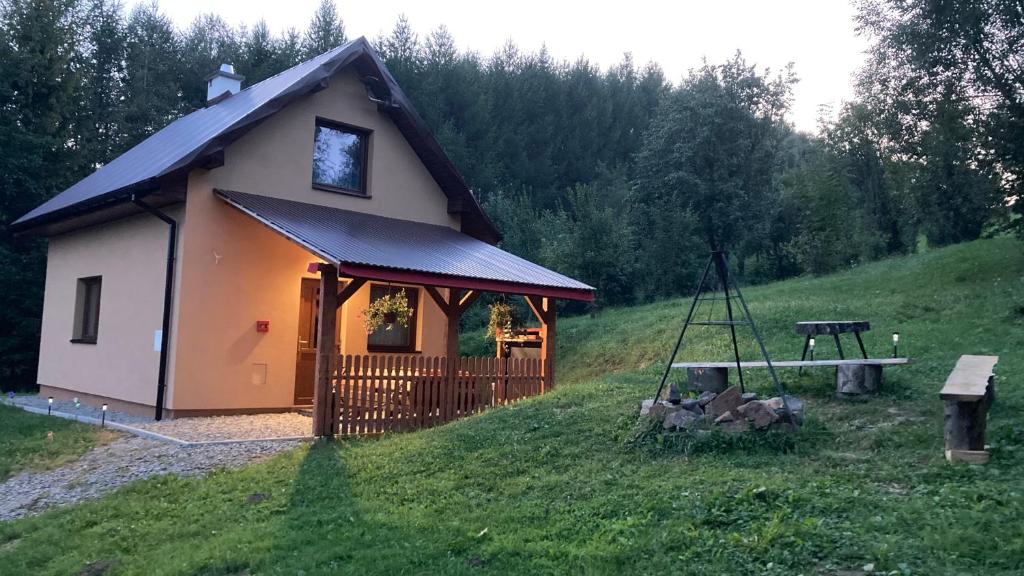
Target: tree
(326,31)
(152,72)
(39,80)
(927,50)
(208,43)
(99,117)
(712,149)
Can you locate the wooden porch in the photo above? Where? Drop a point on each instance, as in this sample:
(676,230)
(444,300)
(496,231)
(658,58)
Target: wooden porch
(374,394)
(378,394)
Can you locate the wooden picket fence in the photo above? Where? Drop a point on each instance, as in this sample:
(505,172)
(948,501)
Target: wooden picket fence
(378,394)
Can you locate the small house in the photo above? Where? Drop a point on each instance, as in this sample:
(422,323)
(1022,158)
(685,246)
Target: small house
(222,265)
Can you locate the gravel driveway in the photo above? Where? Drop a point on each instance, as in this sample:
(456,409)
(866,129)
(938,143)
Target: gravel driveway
(109,467)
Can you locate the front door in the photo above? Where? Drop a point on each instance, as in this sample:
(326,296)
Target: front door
(305,357)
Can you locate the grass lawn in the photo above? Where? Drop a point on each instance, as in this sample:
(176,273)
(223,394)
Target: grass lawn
(24,444)
(554,486)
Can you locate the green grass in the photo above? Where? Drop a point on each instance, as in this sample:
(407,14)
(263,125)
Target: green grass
(24,443)
(554,485)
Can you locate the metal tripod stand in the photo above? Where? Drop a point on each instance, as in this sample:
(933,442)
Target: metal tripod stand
(719,261)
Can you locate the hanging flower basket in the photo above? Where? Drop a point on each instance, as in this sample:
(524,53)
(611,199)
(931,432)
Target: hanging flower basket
(387,311)
(502,318)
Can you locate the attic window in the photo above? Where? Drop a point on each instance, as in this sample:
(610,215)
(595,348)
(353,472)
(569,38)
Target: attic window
(339,158)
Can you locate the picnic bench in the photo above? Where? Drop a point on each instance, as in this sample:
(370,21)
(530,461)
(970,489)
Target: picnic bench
(834,328)
(968,392)
(854,377)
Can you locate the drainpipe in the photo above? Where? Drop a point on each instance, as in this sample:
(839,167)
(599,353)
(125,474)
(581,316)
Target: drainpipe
(165,332)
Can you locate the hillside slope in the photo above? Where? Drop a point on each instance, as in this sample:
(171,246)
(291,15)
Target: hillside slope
(552,485)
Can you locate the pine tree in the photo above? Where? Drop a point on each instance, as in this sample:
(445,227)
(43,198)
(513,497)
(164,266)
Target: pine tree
(39,80)
(326,31)
(208,43)
(152,72)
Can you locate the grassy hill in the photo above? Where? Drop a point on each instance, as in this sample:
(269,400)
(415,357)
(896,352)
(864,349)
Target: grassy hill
(553,485)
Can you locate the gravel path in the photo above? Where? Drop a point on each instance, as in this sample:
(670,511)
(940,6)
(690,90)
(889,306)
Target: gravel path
(252,427)
(202,429)
(109,467)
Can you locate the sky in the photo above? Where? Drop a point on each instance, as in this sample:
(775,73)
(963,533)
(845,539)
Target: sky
(817,36)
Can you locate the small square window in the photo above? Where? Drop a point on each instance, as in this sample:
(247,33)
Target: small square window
(339,158)
(87,310)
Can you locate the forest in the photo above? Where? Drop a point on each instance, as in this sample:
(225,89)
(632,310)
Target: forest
(615,175)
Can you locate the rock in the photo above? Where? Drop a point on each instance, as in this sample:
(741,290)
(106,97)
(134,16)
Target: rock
(645,406)
(759,413)
(97,568)
(724,402)
(748,397)
(674,397)
(796,405)
(692,405)
(705,397)
(257,497)
(680,419)
(727,417)
(657,412)
(734,427)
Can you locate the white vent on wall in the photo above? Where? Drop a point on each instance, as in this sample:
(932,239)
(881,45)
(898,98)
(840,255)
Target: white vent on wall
(259,374)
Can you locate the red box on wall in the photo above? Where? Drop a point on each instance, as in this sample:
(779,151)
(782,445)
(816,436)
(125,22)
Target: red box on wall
(263,325)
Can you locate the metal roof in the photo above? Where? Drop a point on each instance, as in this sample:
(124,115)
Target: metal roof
(367,243)
(193,139)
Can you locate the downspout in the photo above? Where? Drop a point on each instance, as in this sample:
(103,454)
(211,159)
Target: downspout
(165,331)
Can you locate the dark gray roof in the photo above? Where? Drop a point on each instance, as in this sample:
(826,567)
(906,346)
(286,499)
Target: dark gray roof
(343,237)
(194,138)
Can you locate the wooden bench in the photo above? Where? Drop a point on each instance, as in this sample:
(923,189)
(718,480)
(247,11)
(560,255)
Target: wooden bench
(853,377)
(968,392)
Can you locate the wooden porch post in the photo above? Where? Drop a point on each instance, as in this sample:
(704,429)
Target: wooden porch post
(324,411)
(453,308)
(545,311)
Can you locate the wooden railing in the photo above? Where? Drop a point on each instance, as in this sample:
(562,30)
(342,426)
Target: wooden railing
(378,394)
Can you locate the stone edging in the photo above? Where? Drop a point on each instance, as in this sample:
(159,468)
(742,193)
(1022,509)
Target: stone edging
(154,435)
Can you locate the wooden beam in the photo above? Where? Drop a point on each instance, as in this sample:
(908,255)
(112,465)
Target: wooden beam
(349,290)
(452,346)
(544,310)
(467,300)
(438,299)
(547,347)
(536,304)
(325,413)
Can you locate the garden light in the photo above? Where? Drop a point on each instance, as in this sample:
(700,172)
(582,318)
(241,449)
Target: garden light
(103,418)
(49,405)
(895,344)
(811,345)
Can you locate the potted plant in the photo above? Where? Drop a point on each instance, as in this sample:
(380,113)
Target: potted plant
(502,318)
(386,311)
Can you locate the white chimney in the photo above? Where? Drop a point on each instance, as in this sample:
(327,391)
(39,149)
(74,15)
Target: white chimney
(223,81)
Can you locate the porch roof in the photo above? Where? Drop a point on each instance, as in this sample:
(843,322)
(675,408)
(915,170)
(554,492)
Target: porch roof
(388,249)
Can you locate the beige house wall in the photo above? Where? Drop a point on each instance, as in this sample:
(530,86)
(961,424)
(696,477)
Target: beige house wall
(276,159)
(130,255)
(236,271)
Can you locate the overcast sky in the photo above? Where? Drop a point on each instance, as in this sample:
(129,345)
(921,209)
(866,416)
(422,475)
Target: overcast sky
(818,36)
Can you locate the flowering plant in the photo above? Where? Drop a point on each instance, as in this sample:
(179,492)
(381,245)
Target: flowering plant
(386,311)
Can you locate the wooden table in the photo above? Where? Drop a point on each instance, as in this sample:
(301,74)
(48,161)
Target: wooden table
(835,328)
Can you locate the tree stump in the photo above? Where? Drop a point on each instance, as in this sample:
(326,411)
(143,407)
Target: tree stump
(853,380)
(708,379)
(964,429)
